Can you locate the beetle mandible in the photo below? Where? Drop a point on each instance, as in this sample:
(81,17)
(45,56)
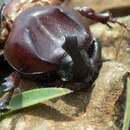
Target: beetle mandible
(52,43)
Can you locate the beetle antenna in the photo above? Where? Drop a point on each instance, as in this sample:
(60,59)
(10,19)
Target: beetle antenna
(114,20)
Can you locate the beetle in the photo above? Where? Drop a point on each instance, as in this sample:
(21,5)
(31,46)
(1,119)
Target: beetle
(52,43)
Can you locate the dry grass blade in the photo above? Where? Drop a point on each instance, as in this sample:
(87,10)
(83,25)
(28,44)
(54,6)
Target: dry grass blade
(126,122)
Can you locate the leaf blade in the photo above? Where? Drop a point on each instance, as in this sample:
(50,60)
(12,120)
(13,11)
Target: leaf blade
(35,96)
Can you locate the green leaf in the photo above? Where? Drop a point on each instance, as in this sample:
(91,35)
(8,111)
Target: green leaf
(127,110)
(35,96)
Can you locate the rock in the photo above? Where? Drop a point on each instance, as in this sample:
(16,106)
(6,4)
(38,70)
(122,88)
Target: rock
(105,95)
(93,109)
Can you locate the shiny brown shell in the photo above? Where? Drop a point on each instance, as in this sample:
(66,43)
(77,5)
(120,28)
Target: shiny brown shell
(35,42)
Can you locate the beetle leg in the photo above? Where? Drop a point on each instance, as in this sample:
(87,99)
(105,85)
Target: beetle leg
(3,21)
(7,85)
(5,25)
(1,14)
(11,83)
(90,13)
(99,17)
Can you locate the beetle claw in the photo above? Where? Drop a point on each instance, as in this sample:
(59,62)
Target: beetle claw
(8,85)
(7,89)
(3,107)
(11,82)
